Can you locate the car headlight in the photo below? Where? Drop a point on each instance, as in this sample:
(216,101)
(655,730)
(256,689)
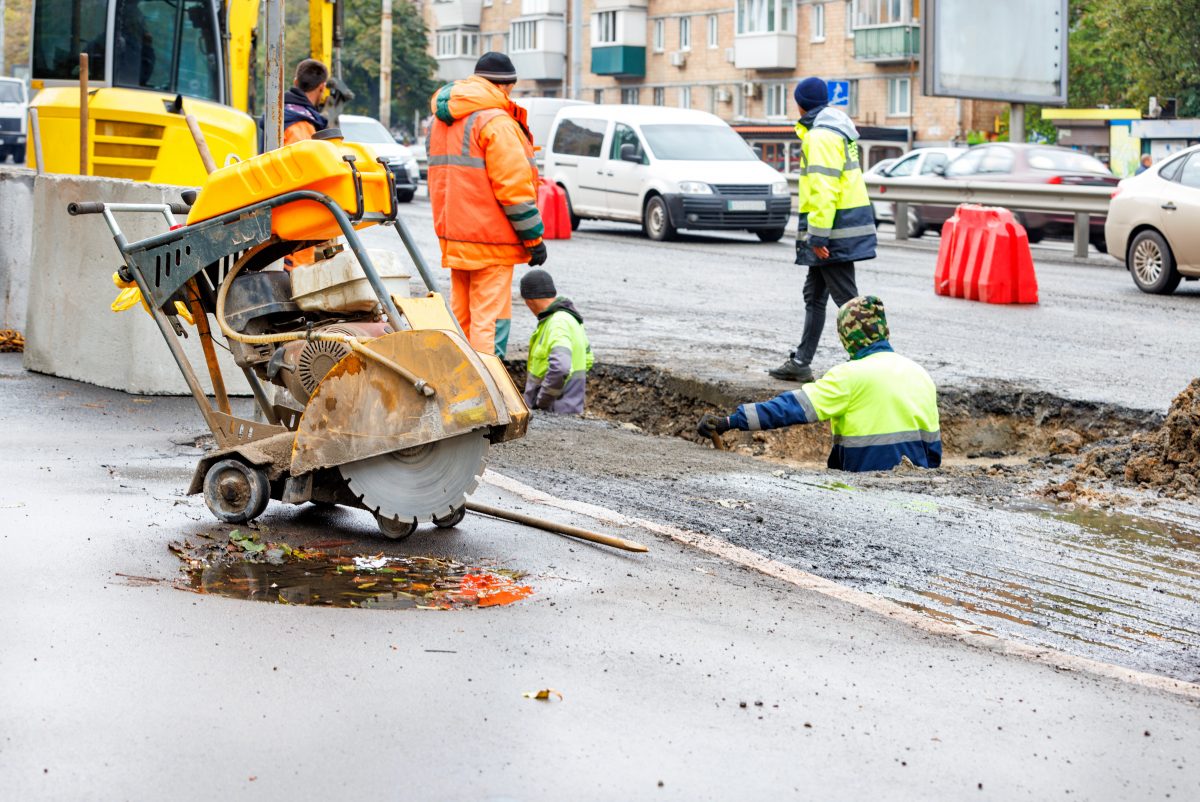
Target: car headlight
(695,188)
(779,188)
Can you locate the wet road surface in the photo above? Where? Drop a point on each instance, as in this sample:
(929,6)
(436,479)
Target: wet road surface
(683,676)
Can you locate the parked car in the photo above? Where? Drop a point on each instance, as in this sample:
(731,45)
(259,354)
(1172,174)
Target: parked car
(1028,164)
(419,153)
(1154,223)
(882,209)
(919,163)
(666,168)
(14,102)
(540,114)
(400,160)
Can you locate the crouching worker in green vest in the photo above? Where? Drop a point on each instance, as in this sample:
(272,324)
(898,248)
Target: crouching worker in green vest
(559,352)
(882,407)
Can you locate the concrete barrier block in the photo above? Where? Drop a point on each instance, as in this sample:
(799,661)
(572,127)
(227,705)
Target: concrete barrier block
(71,331)
(16,244)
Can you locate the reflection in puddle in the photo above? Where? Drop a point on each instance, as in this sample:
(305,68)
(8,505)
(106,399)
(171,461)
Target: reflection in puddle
(377,582)
(1115,587)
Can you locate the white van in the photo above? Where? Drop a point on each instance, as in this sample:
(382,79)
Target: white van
(540,117)
(666,168)
(14,105)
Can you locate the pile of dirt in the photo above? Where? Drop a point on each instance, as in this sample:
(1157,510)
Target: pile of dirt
(1166,459)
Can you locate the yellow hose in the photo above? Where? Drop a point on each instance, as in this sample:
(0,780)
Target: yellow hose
(350,340)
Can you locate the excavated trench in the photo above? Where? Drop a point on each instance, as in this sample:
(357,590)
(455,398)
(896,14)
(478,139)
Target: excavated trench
(988,423)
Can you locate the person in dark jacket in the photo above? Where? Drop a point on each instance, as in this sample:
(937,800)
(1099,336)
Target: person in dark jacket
(837,222)
(301,118)
(559,352)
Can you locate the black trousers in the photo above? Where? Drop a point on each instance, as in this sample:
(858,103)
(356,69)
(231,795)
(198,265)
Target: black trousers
(834,279)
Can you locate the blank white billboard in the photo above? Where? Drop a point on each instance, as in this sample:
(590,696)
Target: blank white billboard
(1011,50)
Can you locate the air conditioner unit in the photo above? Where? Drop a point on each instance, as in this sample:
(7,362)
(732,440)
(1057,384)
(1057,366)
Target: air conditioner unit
(750,89)
(724,96)
(678,58)
(730,55)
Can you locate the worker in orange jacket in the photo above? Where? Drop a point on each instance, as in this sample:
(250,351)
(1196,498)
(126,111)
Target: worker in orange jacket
(483,188)
(301,117)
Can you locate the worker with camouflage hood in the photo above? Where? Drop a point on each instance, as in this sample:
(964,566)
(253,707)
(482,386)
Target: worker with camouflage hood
(881,407)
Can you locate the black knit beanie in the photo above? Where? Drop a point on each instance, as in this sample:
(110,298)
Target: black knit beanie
(537,284)
(496,67)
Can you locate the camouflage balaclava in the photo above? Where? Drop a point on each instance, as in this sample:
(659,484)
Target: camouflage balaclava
(861,322)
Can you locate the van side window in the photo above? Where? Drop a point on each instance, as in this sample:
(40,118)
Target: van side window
(624,135)
(580,138)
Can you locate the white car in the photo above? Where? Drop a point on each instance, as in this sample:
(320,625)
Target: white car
(918,163)
(666,168)
(14,103)
(402,163)
(1153,223)
(883,209)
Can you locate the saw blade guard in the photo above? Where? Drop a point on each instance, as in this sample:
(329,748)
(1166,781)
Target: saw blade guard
(362,409)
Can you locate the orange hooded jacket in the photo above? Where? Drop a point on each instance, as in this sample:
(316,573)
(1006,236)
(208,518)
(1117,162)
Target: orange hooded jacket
(482,180)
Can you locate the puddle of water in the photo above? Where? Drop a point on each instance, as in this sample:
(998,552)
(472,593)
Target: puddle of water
(281,575)
(1119,587)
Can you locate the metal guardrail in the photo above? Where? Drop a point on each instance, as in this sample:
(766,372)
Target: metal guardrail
(1079,201)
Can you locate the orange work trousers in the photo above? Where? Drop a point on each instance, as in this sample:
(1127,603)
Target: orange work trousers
(481,299)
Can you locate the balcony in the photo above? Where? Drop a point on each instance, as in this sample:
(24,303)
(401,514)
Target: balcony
(887,43)
(620,61)
(530,8)
(764,51)
(457,13)
(538,48)
(454,68)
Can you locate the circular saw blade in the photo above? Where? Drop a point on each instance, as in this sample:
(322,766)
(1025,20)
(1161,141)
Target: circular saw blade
(421,483)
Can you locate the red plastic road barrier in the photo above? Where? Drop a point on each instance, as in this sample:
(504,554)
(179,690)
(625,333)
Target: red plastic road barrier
(984,256)
(556,216)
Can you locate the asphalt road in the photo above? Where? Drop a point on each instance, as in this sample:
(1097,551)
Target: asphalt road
(118,689)
(728,308)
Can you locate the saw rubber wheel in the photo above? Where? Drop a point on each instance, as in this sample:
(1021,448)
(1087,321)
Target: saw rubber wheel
(394,528)
(421,483)
(452,520)
(236,492)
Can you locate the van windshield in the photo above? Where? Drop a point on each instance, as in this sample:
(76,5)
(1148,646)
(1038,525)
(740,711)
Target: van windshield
(711,143)
(369,132)
(10,92)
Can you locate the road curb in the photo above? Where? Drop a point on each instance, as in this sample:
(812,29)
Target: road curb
(1060,661)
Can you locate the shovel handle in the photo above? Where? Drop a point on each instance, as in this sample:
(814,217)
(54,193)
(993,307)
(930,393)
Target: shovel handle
(718,443)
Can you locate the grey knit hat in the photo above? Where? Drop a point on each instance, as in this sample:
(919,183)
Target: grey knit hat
(496,67)
(537,284)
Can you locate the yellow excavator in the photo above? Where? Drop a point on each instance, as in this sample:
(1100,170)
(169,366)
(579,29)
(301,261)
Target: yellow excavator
(150,63)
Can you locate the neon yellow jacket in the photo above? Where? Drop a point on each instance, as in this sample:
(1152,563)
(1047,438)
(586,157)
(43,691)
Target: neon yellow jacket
(559,358)
(834,209)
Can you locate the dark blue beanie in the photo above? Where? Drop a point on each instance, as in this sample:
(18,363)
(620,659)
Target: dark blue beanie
(811,93)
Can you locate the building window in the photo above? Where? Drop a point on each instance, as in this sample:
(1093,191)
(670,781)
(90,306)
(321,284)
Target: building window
(468,44)
(487,3)
(818,22)
(739,103)
(524,36)
(505,40)
(882,12)
(605,28)
(766,16)
(776,100)
(852,107)
(685,33)
(899,97)
(660,35)
(714,36)
(660,96)
(597,96)
(630,96)
(685,97)
(445,43)
(849,19)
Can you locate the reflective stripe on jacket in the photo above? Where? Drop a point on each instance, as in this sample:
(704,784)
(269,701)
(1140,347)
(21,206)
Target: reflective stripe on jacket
(482,181)
(880,408)
(834,209)
(559,358)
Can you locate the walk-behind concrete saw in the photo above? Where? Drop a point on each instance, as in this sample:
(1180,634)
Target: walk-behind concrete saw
(370,398)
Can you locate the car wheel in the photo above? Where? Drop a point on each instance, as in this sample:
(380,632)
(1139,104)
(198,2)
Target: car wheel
(916,227)
(405,197)
(656,221)
(769,234)
(570,210)
(1151,264)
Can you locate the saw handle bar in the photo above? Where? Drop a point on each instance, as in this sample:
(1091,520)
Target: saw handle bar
(96,207)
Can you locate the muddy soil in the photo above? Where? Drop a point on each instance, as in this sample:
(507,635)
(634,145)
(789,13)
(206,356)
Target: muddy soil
(1164,460)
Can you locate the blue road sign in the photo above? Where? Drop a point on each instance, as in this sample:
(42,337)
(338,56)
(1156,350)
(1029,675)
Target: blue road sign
(839,93)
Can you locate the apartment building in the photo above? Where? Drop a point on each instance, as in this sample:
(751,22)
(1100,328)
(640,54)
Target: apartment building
(738,59)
